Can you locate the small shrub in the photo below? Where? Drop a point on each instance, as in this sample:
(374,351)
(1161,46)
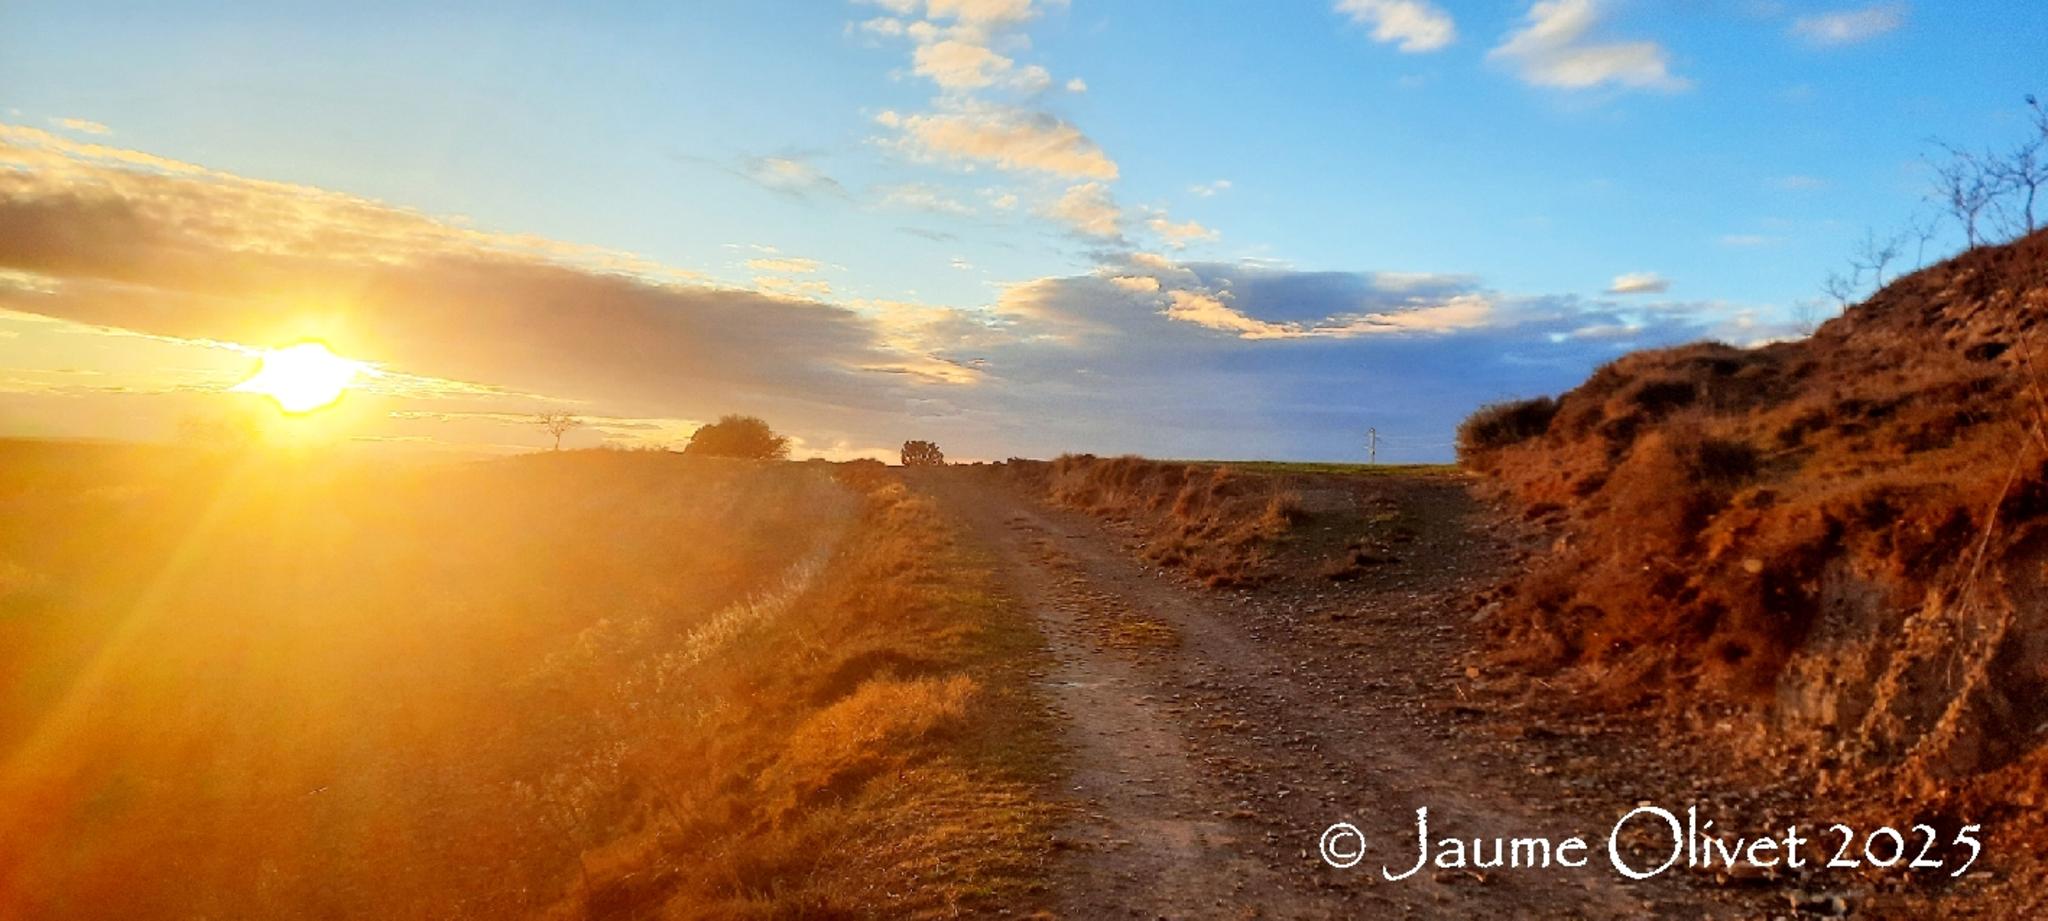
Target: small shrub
(1498,425)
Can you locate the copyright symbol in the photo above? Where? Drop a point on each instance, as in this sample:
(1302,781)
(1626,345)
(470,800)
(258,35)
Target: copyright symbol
(1343,845)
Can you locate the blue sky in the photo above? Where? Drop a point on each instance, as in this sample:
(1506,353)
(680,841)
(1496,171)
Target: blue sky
(1473,177)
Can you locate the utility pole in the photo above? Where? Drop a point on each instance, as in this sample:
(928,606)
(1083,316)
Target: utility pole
(1372,446)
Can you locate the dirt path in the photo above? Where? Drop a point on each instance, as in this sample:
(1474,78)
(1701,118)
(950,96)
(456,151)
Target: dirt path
(1213,736)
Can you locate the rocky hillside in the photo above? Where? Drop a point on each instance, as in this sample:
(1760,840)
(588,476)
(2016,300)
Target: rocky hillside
(1847,533)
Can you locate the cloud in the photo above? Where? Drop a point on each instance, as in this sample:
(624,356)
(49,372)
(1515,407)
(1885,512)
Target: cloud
(1208,311)
(1639,283)
(1141,353)
(1746,239)
(791,176)
(174,250)
(1553,49)
(885,26)
(1088,209)
(82,126)
(787,265)
(1411,25)
(1209,189)
(1799,183)
(922,197)
(799,288)
(1007,138)
(1251,302)
(1077,85)
(978,14)
(1850,27)
(957,65)
(1178,236)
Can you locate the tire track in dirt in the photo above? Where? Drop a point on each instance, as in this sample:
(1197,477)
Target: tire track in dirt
(1206,755)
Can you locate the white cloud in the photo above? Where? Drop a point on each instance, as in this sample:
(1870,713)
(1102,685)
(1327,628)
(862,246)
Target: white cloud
(958,66)
(1746,239)
(1553,49)
(1077,85)
(793,288)
(884,26)
(1178,236)
(81,125)
(789,265)
(1088,209)
(1849,27)
(1209,189)
(981,12)
(1008,138)
(789,176)
(1799,183)
(1411,25)
(1639,283)
(1464,311)
(923,197)
(1207,310)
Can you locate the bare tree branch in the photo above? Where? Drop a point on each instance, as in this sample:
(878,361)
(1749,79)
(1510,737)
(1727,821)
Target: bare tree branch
(557,424)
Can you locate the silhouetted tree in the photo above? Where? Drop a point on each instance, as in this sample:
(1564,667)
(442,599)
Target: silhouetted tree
(2022,173)
(1842,288)
(922,454)
(737,436)
(557,424)
(1875,255)
(1965,186)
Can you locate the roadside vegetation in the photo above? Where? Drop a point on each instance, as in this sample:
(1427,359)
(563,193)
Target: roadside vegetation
(569,685)
(1218,526)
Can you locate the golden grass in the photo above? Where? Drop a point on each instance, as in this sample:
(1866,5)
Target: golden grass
(574,686)
(1217,525)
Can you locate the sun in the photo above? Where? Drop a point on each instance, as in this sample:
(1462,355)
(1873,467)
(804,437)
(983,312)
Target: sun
(302,377)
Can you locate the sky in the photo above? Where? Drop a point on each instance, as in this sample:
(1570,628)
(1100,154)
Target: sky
(1014,227)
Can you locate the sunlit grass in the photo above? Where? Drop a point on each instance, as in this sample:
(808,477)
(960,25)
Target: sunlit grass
(532,687)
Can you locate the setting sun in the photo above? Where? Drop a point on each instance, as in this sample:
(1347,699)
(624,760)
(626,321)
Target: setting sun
(303,377)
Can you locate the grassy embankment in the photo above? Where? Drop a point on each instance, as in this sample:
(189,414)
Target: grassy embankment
(575,686)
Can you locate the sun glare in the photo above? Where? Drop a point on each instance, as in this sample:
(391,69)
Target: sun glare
(302,377)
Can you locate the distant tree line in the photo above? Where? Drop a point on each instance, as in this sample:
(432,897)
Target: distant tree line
(737,436)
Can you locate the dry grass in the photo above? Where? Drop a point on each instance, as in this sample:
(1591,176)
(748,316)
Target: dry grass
(576,686)
(1215,524)
(1844,532)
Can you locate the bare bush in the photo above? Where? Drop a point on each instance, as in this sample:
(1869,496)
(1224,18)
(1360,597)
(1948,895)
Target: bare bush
(1965,187)
(1498,425)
